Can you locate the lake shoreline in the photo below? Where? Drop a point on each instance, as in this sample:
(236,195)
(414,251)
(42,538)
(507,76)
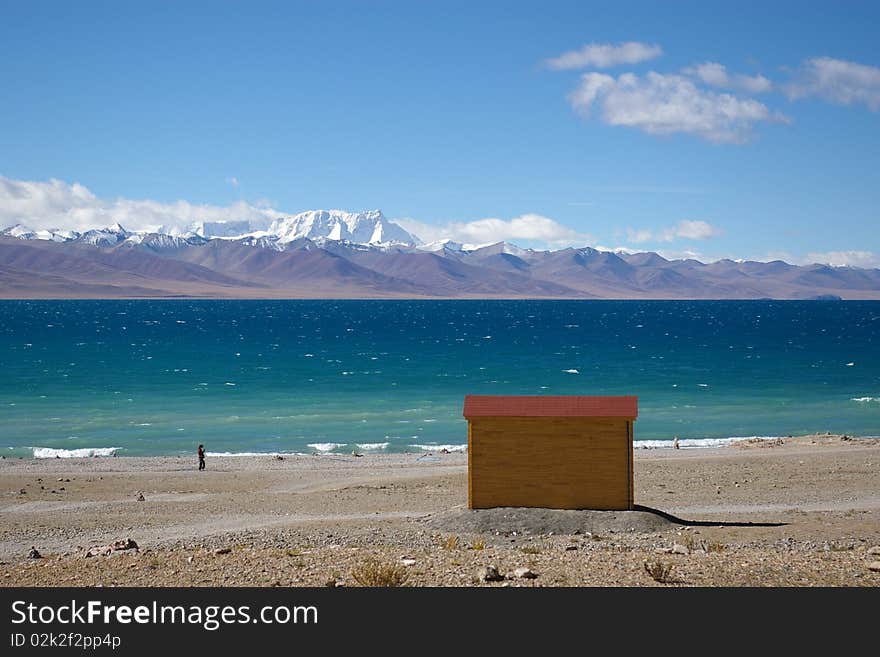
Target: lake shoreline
(800,511)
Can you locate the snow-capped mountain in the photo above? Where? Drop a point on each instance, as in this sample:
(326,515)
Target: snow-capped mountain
(104,236)
(315,255)
(330,253)
(360,228)
(51,234)
(441,245)
(163,242)
(370,228)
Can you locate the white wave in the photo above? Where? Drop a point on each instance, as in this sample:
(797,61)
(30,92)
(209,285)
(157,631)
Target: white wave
(326,447)
(865,399)
(372,446)
(696,442)
(440,448)
(571,371)
(51,452)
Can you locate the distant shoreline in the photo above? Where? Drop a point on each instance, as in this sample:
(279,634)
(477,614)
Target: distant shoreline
(870,295)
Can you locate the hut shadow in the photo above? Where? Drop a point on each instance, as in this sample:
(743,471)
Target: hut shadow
(704,523)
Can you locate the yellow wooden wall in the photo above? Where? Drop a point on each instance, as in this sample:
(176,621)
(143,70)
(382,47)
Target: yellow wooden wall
(557,463)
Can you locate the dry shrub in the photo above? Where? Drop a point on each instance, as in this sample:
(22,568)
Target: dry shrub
(479,544)
(530,549)
(373,572)
(449,543)
(701,545)
(659,571)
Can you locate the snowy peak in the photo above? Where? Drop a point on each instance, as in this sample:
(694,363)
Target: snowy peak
(162,242)
(19,231)
(104,236)
(360,228)
(369,228)
(501,248)
(442,245)
(52,234)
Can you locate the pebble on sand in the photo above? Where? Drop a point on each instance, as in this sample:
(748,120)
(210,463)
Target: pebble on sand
(489,574)
(115,546)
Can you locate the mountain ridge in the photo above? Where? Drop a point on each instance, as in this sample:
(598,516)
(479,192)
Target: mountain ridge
(363,255)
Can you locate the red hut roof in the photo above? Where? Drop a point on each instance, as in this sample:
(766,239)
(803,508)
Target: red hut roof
(547,406)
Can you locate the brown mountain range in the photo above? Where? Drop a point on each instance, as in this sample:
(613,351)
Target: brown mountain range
(158,267)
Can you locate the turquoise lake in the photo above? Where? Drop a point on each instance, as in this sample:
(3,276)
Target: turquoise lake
(159,377)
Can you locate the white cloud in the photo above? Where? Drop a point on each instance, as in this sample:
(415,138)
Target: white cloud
(232,180)
(686,229)
(844,258)
(604,55)
(837,81)
(533,229)
(865,259)
(716,75)
(637,236)
(693,230)
(526,227)
(57,204)
(665,104)
(770,256)
(685,254)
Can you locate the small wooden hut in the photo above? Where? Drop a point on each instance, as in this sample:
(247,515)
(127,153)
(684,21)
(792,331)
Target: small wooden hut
(552,452)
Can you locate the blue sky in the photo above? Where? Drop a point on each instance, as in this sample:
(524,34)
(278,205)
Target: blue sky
(744,130)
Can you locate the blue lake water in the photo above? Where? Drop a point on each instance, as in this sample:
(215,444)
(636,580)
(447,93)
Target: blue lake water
(159,377)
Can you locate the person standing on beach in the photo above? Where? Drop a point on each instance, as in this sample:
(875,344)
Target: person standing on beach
(201,457)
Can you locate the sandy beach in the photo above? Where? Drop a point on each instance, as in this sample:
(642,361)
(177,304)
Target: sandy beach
(802,511)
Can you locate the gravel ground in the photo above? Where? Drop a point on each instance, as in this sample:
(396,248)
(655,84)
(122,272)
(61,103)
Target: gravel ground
(803,512)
